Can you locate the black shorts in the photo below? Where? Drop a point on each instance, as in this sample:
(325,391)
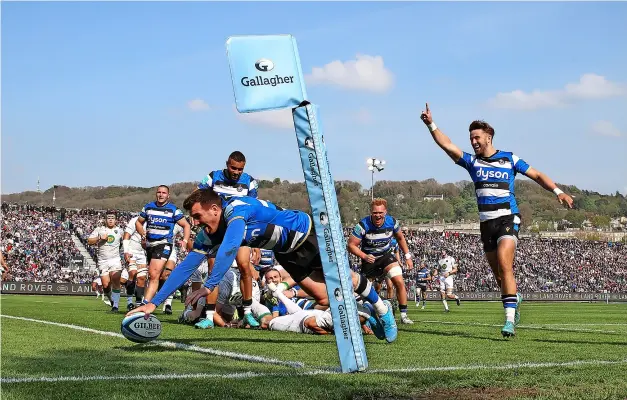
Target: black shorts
(494,229)
(421,286)
(160,251)
(376,269)
(304,260)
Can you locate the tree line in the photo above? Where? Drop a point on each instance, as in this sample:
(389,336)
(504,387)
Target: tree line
(406,200)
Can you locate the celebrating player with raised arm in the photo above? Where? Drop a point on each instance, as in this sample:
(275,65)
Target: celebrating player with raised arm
(493,172)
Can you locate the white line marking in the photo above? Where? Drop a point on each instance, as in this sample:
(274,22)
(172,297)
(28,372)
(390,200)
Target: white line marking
(538,327)
(583,324)
(250,374)
(174,345)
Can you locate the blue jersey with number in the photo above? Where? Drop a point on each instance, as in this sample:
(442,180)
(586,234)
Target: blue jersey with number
(160,222)
(494,182)
(376,240)
(226,188)
(245,222)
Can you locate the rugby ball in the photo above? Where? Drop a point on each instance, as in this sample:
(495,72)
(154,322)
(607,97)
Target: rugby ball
(138,329)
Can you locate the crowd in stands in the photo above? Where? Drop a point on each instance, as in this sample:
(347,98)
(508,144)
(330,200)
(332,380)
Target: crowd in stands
(83,222)
(37,244)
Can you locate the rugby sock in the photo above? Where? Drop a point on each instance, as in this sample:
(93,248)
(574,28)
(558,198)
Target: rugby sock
(445,304)
(130,291)
(247,305)
(115,297)
(209,310)
(107,292)
(365,290)
(168,301)
(139,294)
(403,309)
(509,303)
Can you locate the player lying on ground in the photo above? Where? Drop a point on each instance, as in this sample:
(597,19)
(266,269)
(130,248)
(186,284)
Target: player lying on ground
(244,222)
(311,321)
(229,299)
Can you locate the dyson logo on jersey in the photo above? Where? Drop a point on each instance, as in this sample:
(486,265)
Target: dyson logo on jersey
(487,174)
(159,220)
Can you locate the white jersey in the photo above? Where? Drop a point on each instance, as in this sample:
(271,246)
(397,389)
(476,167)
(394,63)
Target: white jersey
(110,249)
(296,322)
(177,229)
(130,229)
(446,265)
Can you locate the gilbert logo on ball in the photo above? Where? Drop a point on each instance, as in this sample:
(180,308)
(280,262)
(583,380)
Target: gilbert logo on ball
(138,329)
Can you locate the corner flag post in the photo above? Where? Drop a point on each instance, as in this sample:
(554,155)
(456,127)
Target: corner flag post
(267,75)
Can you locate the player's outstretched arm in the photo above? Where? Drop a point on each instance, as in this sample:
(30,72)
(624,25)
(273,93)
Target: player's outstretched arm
(440,138)
(547,183)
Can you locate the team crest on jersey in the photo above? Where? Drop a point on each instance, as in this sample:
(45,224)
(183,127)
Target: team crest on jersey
(507,229)
(501,162)
(110,238)
(239,188)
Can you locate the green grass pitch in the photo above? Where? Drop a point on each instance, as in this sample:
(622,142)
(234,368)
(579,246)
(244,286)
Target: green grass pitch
(561,351)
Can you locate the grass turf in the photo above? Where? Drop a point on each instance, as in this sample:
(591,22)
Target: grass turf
(417,365)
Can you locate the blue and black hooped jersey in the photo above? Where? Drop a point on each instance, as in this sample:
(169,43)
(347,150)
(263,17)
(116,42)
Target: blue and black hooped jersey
(494,182)
(422,276)
(376,240)
(218,180)
(266,261)
(253,223)
(160,222)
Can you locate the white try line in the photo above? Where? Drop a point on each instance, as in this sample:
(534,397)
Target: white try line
(250,374)
(174,345)
(540,327)
(584,324)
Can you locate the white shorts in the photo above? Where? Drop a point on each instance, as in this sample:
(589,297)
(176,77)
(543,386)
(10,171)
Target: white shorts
(294,322)
(258,309)
(98,281)
(200,274)
(446,283)
(125,274)
(173,255)
(138,255)
(112,265)
(230,295)
(229,291)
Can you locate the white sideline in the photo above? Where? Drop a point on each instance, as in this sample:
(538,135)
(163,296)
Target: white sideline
(175,345)
(541,327)
(250,374)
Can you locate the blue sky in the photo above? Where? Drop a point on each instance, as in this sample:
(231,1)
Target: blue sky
(93,93)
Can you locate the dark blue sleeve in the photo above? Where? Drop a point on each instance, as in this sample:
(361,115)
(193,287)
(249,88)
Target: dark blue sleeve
(178,276)
(227,251)
(252,188)
(465,161)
